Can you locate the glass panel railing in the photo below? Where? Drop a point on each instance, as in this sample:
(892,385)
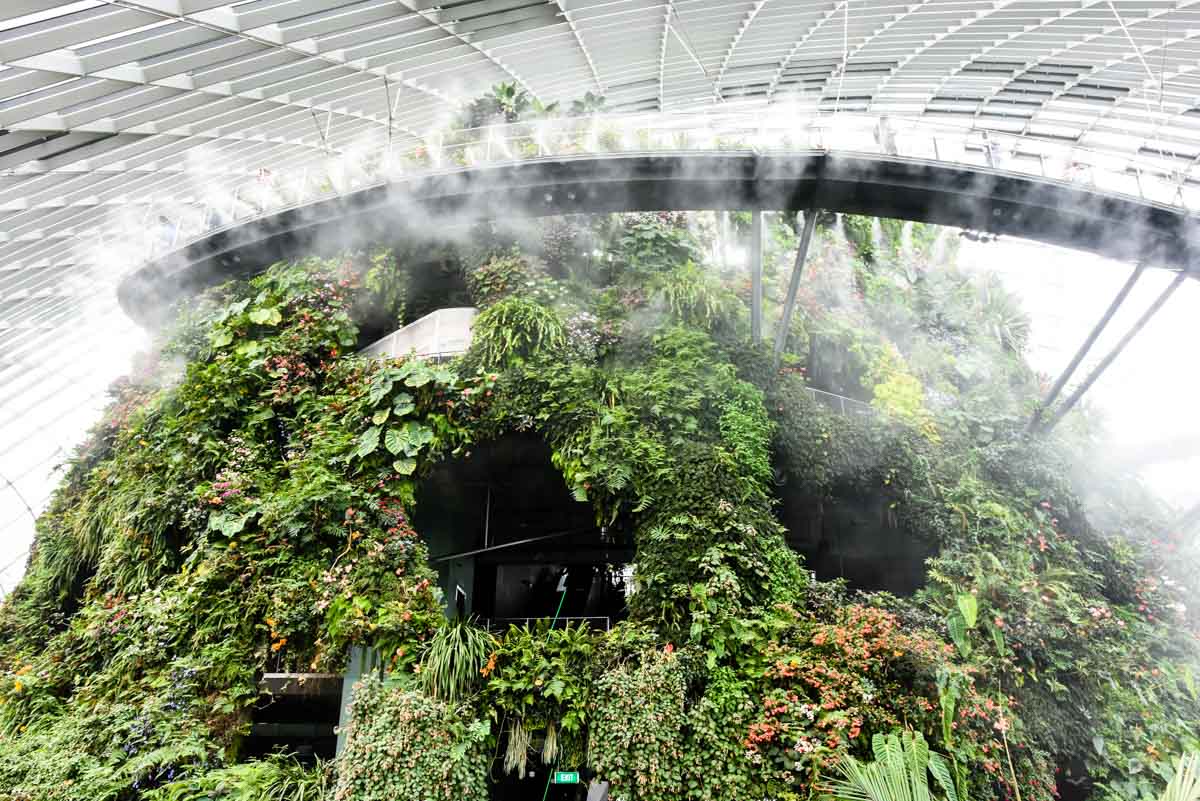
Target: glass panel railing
(1146,179)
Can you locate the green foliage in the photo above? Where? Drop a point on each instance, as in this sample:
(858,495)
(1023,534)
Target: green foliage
(540,679)
(405,746)
(454,660)
(589,104)
(899,772)
(272,779)
(637,732)
(245,508)
(500,275)
(234,519)
(694,297)
(1185,784)
(505,103)
(514,328)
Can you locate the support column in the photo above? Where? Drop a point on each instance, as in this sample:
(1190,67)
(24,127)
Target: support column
(756,276)
(1084,348)
(1070,402)
(789,303)
(360,662)
(725,234)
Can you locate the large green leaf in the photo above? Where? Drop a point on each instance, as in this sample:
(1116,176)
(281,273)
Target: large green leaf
(1185,784)
(900,772)
(228,524)
(419,377)
(958,632)
(416,436)
(939,766)
(403,404)
(268,316)
(380,386)
(368,442)
(968,604)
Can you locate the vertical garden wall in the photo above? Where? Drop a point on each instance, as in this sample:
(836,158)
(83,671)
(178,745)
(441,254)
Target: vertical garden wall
(246,506)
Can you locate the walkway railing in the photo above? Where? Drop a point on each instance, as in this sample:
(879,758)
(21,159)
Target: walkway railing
(593,621)
(842,404)
(1166,178)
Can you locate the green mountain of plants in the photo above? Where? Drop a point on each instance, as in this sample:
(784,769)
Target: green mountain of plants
(245,504)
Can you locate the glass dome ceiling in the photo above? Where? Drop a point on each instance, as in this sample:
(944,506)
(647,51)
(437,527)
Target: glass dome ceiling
(116,115)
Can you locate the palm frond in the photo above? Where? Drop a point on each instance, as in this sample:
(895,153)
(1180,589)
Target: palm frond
(899,772)
(1185,784)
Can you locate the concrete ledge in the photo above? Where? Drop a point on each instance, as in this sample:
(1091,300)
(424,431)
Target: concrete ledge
(302,684)
(439,334)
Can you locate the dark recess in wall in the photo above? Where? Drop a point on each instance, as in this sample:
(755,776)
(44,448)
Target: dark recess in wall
(855,538)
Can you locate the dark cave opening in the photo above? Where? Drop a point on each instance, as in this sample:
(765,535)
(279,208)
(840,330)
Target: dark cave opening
(853,537)
(508,539)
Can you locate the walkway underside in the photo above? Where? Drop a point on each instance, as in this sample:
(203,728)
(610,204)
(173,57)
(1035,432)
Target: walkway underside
(995,201)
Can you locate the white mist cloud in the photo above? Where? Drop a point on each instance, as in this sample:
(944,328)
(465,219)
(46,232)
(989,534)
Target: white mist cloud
(1147,396)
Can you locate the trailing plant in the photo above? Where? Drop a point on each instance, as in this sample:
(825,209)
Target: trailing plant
(637,734)
(539,680)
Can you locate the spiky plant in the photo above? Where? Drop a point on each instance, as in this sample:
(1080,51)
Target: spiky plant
(899,772)
(1185,784)
(454,658)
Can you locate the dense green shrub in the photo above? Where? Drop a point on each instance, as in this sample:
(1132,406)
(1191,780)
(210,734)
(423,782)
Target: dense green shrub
(405,746)
(638,731)
(541,680)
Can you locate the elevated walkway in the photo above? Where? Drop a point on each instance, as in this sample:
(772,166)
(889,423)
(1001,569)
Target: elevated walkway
(992,199)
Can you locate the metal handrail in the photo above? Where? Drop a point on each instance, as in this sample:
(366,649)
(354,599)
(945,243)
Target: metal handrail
(503,622)
(1150,180)
(842,404)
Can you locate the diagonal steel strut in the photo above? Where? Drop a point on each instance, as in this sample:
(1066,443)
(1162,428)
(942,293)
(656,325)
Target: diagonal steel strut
(789,303)
(1070,402)
(1083,349)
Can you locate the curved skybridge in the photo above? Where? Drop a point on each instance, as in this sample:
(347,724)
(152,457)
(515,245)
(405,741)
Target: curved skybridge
(997,201)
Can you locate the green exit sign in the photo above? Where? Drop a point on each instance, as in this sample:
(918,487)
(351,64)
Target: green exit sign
(566,777)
